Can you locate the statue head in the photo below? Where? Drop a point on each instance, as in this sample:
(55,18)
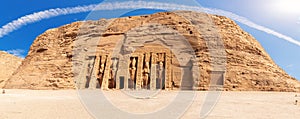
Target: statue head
(161,64)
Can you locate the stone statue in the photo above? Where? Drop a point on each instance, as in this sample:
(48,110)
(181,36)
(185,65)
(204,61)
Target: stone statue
(159,57)
(111,83)
(132,77)
(133,63)
(100,74)
(112,73)
(113,69)
(101,70)
(146,72)
(132,72)
(102,67)
(160,71)
(114,65)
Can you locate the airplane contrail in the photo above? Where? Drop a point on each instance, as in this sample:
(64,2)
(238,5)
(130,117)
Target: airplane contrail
(38,16)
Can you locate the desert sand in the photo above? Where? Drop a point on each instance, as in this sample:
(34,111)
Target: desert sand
(67,104)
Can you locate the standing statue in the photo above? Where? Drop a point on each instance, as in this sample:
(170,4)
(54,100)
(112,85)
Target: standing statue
(112,72)
(146,72)
(132,77)
(160,74)
(88,76)
(160,57)
(100,74)
(111,80)
(101,70)
(133,63)
(114,65)
(132,72)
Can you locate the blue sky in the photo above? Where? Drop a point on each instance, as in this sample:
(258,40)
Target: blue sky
(282,16)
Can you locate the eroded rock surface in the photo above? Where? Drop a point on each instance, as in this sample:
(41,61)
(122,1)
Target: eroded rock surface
(8,65)
(222,50)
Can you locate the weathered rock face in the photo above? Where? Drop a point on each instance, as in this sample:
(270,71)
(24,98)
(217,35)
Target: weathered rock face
(8,65)
(48,64)
(141,49)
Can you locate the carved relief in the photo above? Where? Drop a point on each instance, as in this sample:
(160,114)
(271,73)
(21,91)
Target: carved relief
(160,76)
(132,71)
(146,72)
(151,67)
(112,74)
(100,73)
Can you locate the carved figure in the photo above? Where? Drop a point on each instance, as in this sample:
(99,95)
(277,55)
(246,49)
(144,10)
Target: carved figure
(145,75)
(114,65)
(132,72)
(160,71)
(111,79)
(112,72)
(100,74)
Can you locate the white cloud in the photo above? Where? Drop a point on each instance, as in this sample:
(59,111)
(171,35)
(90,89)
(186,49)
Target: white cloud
(35,17)
(17,52)
(251,24)
(38,16)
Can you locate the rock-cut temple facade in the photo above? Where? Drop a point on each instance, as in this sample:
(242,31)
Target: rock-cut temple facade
(166,50)
(148,56)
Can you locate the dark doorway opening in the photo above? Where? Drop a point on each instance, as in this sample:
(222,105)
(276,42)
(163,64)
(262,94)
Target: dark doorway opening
(121,82)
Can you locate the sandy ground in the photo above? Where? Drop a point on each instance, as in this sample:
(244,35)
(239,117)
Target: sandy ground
(69,104)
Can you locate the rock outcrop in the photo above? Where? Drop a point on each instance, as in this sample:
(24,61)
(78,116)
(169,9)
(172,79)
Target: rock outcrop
(8,65)
(219,44)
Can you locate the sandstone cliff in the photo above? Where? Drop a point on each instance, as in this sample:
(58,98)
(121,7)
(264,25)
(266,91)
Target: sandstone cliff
(8,65)
(248,67)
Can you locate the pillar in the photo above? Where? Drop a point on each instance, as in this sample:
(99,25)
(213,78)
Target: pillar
(153,72)
(168,83)
(139,72)
(91,73)
(106,74)
(95,71)
(147,59)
